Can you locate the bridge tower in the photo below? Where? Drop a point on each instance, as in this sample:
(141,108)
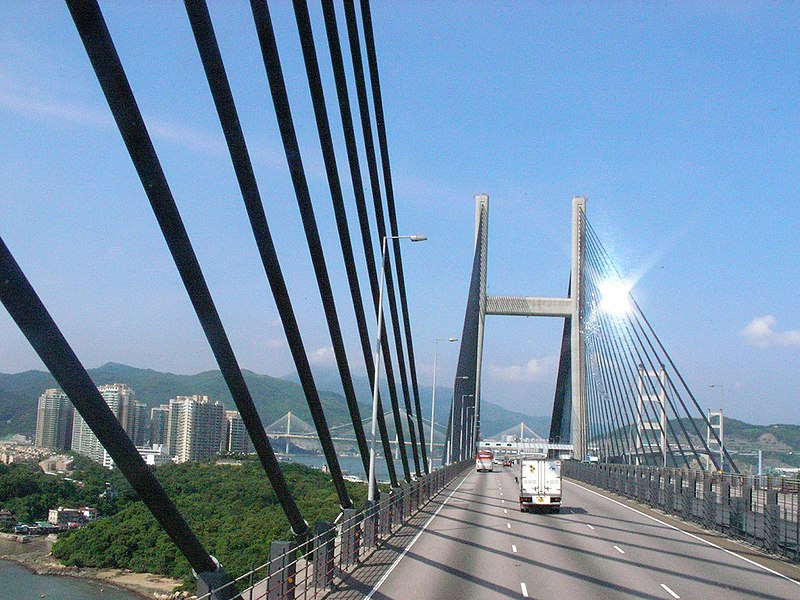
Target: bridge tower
(569,413)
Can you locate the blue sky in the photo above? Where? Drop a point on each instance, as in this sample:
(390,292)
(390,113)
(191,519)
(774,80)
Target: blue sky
(679,122)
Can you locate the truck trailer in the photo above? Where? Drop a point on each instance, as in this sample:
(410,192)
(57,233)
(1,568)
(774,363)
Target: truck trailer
(540,484)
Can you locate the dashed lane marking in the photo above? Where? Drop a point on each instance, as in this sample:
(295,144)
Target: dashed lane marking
(669,591)
(589,526)
(691,535)
(620,550)
(509,525)
(514,548)
(524,589)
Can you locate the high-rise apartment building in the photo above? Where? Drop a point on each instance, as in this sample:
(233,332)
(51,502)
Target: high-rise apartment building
(196,427)
(54,420)
(159,425)
(120,399)
(236,437)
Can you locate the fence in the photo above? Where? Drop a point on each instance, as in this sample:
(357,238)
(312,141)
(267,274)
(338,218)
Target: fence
(759,509)
(313,569)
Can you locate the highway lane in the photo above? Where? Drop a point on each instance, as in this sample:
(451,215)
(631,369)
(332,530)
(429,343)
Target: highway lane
(480,545)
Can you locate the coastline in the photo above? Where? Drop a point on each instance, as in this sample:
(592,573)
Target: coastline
(35,557)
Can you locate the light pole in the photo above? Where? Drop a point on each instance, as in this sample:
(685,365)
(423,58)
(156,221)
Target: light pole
(453,418)
(470,429)
(461,455)
(372,482)
(433,395)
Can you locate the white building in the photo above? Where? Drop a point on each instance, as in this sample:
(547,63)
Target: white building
(236,438)
(155,456)
(197,427)
(159,425)
(120,399)
(54,420)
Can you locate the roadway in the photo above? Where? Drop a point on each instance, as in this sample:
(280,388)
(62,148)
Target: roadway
(479,545)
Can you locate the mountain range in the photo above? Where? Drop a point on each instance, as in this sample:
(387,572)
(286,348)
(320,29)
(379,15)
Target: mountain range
(274,397)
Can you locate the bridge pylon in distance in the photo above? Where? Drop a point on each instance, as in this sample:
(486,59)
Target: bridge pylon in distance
(569,407)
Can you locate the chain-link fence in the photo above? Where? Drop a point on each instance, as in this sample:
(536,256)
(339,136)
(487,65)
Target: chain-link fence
(759,509)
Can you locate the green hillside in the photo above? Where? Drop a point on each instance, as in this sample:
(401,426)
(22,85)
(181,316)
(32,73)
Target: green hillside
(273,397)
(19,393)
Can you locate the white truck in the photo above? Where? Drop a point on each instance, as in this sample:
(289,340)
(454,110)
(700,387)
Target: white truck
(484,461)
(540,484)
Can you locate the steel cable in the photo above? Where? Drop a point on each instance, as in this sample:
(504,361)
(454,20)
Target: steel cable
(116,88)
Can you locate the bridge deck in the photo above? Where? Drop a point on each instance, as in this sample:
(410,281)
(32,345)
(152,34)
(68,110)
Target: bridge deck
(479,545)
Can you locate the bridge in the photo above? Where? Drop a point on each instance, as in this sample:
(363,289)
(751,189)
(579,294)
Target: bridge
(654,505)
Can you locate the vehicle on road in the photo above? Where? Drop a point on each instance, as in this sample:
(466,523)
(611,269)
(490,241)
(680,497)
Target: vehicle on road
(484,461)
(540,484)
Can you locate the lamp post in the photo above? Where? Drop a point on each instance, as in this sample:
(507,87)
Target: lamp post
(433,395)
(470,429)
(461,455)
(372,482)
(453,418)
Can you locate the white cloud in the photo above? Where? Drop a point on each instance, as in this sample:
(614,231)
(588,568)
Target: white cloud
(761,333)
(82,114)
(533,370)
(274,343)
(323,356)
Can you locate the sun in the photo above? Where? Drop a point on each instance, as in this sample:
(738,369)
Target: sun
(615,297)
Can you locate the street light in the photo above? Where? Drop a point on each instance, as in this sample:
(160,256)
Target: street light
(461,436)
(470,425)
(433,394)
(372,482)
(453,418)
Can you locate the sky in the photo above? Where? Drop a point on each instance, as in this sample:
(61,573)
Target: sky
(678,121)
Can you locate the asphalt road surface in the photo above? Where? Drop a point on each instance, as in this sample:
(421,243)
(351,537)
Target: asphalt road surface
(479,545)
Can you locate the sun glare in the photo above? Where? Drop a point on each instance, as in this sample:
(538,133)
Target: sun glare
(615,297)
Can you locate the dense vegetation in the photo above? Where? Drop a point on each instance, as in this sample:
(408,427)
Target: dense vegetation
(28,493)
(232,509)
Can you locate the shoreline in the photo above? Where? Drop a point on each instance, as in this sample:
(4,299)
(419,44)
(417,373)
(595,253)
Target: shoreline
(38,561)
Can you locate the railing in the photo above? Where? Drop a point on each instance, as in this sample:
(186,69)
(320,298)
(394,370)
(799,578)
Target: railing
(313,569)
(762,510)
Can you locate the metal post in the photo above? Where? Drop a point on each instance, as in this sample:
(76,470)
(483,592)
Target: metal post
(372,482)
(351,535)
(370,524)
(322,555)
(281,574)
(772,521)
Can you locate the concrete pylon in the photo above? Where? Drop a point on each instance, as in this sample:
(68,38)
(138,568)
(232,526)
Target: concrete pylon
(528,306)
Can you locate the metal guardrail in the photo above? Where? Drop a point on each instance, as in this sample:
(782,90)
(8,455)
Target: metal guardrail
(759,509)
(313,569)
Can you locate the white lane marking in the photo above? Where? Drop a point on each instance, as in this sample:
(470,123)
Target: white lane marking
(620,550)
(509,525)
(514,548)
(505,511)
(589,526)
(416,537)
(524,589)
(669,591)
(503,501)
(691,535)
